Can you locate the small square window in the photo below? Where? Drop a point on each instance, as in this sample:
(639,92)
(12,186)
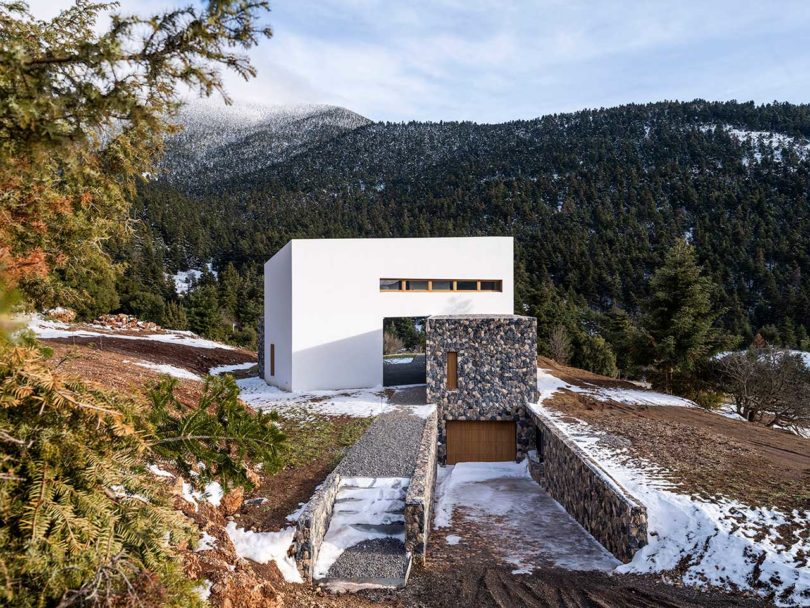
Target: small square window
(416,285)
(490,285)
(390,285)
(467,285)
(442,285)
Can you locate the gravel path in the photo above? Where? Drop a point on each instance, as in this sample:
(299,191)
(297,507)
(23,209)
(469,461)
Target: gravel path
(380,559)
(387,449)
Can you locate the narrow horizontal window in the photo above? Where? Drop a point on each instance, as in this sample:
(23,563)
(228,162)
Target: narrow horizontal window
(418,285)
(441,285)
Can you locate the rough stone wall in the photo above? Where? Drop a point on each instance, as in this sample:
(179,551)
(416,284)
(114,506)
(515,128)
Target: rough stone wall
(419,498)
(497,371)
(260,341)
(611,514)
(312,525)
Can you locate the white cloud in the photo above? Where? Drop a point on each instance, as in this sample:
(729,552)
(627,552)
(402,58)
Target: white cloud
(491,60)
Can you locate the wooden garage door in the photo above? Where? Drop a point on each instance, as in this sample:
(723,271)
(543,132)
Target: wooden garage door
(480,441)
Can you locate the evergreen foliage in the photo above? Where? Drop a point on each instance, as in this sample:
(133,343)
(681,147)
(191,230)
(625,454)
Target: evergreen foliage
(594,199)
(83,116)
(679,318)
(219,432)
(83,522)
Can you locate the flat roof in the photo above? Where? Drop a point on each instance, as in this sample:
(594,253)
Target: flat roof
(479,316)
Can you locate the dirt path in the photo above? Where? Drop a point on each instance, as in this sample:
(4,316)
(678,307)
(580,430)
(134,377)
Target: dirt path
(485,586)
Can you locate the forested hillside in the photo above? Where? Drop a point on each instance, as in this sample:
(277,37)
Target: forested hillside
(594,199)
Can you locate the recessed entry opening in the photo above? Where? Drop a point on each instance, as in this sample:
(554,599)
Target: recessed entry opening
(403,350)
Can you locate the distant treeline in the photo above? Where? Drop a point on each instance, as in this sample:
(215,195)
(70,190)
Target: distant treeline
(594,200)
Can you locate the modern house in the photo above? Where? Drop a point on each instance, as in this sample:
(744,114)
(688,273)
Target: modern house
(325,300)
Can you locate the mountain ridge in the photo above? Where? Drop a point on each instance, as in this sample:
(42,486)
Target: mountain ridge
(593,199)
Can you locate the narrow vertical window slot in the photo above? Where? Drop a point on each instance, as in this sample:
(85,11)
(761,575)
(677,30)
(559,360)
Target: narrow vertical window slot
(452,370)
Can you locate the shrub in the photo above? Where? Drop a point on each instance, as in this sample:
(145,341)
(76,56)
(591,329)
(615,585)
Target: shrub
(767,385)
(81,517)
(219,431)
(392,344)
(559,345)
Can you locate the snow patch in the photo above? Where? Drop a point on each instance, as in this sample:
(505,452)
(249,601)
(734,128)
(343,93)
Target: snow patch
(45,330)
(185,279)
(357,403)
(206,543)
(169,370)
(719,540)
(398,360)
(452,539)
(367,504)
(158,472)
(264,547)
(548,384)
(212,493)
(451,491)
(224,369)
(204,590)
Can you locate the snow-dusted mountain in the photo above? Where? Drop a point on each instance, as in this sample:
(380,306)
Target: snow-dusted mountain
(221,142)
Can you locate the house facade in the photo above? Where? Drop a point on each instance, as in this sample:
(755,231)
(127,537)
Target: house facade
(481,374)
(325,300)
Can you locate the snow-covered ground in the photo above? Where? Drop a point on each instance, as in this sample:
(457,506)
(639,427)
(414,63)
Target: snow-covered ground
(264,547)
(364,507)
(779,143)
(397,360)
(184,279)
(170,370)
(225,369)
(548,384)
(518,520)
(358,403)
(715,539)
(45,329)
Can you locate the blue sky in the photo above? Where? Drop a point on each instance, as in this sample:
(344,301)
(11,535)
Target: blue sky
(496,60)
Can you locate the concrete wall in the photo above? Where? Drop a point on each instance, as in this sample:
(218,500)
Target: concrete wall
(334,326)
(278,307)
(601,505)
(497,371)
(419,498)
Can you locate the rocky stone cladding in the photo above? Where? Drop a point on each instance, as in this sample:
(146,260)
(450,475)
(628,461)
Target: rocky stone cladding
(260,353)
(497,371)
(603,507)
(419,498)
(312,525)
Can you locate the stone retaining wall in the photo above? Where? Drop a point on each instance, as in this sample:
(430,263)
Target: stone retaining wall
(603,507)
(419,498)
(312,525)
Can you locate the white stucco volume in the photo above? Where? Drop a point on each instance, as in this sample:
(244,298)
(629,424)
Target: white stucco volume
(324,310)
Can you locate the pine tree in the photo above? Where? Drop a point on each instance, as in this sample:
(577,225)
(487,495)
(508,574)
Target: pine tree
(175,316)
(203,311)
(84,114)
(680,317)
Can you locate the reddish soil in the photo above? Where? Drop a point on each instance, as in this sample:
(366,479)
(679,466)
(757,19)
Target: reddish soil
(114,370)
(706,454)
(197,360)
(284,492)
